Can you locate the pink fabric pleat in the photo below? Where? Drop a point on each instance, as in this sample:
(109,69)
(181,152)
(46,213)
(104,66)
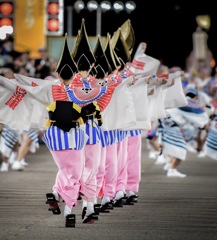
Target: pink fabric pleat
(70,165)
(122,165)
(92,154)
(134,163)
(101,173)
(110,171)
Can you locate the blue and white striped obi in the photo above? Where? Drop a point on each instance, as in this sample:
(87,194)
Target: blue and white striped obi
(121,134)
(110,136)
(57,139)
(132,133)
(103,138)
(93,130)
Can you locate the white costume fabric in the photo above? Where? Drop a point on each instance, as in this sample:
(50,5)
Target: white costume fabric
(143,64)
(140,101)
(120,112)
(174,95)
(15,102)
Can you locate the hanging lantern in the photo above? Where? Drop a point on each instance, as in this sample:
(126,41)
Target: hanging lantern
(200,44)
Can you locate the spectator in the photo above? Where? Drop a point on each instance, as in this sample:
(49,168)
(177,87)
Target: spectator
(42,65)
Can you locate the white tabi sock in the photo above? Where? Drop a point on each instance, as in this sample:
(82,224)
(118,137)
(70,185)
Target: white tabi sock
(119,194)
(84,204)
(90,208)
(95,201)
(67,210)
(105,199)
(56,195)
(130,193)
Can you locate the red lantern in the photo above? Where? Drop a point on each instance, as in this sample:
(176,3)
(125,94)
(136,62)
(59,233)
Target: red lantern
(53,25)
(5,22)
(54,17)
(53,8)
(6,8)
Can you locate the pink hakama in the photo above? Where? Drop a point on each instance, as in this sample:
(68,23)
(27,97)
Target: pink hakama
(122,165)
(134,163)
(92,154)
(101,173)
(110,171)
(70,164)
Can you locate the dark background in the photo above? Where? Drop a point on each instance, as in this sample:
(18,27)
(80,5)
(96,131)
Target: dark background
(166,26)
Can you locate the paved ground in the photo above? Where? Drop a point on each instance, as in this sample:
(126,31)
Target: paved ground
(168,208)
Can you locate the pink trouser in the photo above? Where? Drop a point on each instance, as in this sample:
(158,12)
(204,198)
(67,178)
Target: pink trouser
(92,154)
(101,172)
(110,171)
(134,163)
(122,164)
(70,164)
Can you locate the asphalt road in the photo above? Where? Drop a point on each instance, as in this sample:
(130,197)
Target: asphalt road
(167,208)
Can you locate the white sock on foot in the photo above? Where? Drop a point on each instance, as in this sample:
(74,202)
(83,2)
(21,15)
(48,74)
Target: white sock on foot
(90,208)
(119,194)
(130,193)
(105,199)
(67,210)
(95,201)
(84,203)
(56,195)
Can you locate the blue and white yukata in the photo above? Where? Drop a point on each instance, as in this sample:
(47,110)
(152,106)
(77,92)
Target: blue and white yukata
(210,147)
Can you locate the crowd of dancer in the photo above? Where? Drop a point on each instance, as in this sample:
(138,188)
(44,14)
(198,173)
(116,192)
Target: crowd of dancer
(92,109)
(195,123)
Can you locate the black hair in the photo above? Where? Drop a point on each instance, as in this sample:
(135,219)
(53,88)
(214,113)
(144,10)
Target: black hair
(191,95)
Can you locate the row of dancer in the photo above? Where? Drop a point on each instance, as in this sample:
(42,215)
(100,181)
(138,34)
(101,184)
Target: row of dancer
(103,174)
(95,121)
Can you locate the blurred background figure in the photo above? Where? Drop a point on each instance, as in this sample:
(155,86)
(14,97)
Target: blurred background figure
(42,64)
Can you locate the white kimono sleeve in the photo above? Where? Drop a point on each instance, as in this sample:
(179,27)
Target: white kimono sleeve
(120,111)
(139,92)
(174,96)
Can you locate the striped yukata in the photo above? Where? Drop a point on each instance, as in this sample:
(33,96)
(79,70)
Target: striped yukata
(211,141)
(173,141)
(33,135)
(9,137)
(190,119)
(189,132)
